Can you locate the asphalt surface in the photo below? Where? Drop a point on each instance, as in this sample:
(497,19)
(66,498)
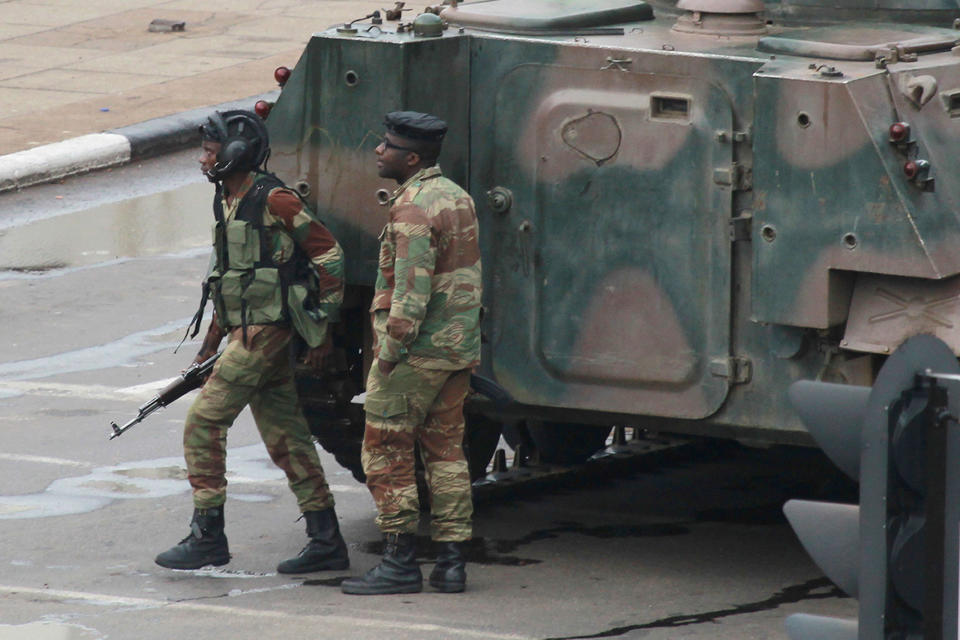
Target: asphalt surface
(98,85)
(71,68)
(98,277)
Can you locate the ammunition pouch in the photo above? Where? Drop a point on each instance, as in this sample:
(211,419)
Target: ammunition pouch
(246,285)
(252,296)
(243,244)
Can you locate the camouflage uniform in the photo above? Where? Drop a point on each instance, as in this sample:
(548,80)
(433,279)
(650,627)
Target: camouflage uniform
(426,311)
(259,375)
(257,370)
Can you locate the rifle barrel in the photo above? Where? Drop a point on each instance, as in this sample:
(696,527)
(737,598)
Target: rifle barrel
(119,430)
(192,378)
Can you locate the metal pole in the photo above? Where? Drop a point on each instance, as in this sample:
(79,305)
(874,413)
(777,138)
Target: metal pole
(935,510)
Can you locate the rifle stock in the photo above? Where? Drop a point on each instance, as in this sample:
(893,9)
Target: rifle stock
(189,380)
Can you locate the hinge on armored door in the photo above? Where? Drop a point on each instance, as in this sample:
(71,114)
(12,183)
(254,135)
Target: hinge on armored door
(737,137)
(738,176)
(741,226)
(738,370)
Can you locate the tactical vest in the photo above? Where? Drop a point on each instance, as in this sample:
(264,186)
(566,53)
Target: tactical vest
(246,285)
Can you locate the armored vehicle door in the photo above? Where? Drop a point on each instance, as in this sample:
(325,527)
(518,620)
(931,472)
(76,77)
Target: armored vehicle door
(605,227)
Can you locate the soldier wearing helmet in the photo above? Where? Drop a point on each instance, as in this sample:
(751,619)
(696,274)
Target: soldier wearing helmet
(426,313)
(276,279)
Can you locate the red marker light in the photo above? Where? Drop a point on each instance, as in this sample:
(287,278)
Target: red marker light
(899,132)
(262,108)
(917,170)
(281,75)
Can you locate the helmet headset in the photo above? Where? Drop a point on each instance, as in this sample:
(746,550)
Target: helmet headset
(243,139)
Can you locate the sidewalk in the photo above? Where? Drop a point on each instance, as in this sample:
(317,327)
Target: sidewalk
(70,68)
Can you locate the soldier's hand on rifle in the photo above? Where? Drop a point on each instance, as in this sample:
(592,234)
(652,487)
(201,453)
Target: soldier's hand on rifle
(314,357)
(202,357)
(211,342)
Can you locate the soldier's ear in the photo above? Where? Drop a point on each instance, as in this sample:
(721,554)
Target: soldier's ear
(413,158)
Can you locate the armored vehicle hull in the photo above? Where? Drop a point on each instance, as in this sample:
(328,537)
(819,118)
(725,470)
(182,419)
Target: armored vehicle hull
(683,209)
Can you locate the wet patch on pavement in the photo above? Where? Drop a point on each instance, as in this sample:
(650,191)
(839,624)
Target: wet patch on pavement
(158,478)
(33,269)
(816,589)
(327,582)
(233,593)
(173,472)
(48,631)
(476,551)
(154,224)
(218,572)
(126,350)
(499,552)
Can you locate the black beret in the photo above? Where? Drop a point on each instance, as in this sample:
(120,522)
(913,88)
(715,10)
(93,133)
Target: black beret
(415,126)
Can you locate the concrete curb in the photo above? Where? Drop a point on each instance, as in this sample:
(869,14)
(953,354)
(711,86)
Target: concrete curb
(111,148)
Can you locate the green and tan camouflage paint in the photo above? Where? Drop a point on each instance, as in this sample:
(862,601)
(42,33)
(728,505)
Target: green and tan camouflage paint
(673,225)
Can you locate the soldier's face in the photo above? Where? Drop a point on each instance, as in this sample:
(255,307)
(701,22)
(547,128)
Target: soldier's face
(208,155)
(395,161)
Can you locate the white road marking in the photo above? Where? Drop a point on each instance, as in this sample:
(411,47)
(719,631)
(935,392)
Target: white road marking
(349,488)
(148,603)
(144,391)
(57,390)
(148,388)
(124,352)
(21,457)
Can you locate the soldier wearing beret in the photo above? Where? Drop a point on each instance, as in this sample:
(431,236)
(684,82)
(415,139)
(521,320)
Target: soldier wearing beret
(426,313)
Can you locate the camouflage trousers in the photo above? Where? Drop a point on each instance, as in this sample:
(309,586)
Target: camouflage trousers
(421,406)
(258,375)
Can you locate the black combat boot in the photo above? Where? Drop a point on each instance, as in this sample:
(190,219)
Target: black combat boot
(205,545)
(450,573)
(325,550)
(398,572)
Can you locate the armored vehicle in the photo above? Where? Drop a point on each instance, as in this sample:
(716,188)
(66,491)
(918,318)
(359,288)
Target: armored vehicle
(683,208)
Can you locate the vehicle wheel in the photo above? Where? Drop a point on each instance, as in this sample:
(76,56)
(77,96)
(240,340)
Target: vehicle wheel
(480,443)
(516,434)
(334,420)
(338,426)
(341,437)
(565,442)
(327,397)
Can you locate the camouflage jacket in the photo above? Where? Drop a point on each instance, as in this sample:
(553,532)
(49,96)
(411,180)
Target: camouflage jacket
(426,305)
(289,222)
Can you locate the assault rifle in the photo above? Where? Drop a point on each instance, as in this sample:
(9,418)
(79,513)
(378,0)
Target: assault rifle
(189,380)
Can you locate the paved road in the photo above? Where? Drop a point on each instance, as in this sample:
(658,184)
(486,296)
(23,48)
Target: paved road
(93,303)
(69,68)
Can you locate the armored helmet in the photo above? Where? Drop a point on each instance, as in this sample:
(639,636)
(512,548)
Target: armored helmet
(244,144)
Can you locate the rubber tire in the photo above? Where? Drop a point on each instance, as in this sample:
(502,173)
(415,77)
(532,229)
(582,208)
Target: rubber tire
(480,443)
(342,439)
(566,443)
